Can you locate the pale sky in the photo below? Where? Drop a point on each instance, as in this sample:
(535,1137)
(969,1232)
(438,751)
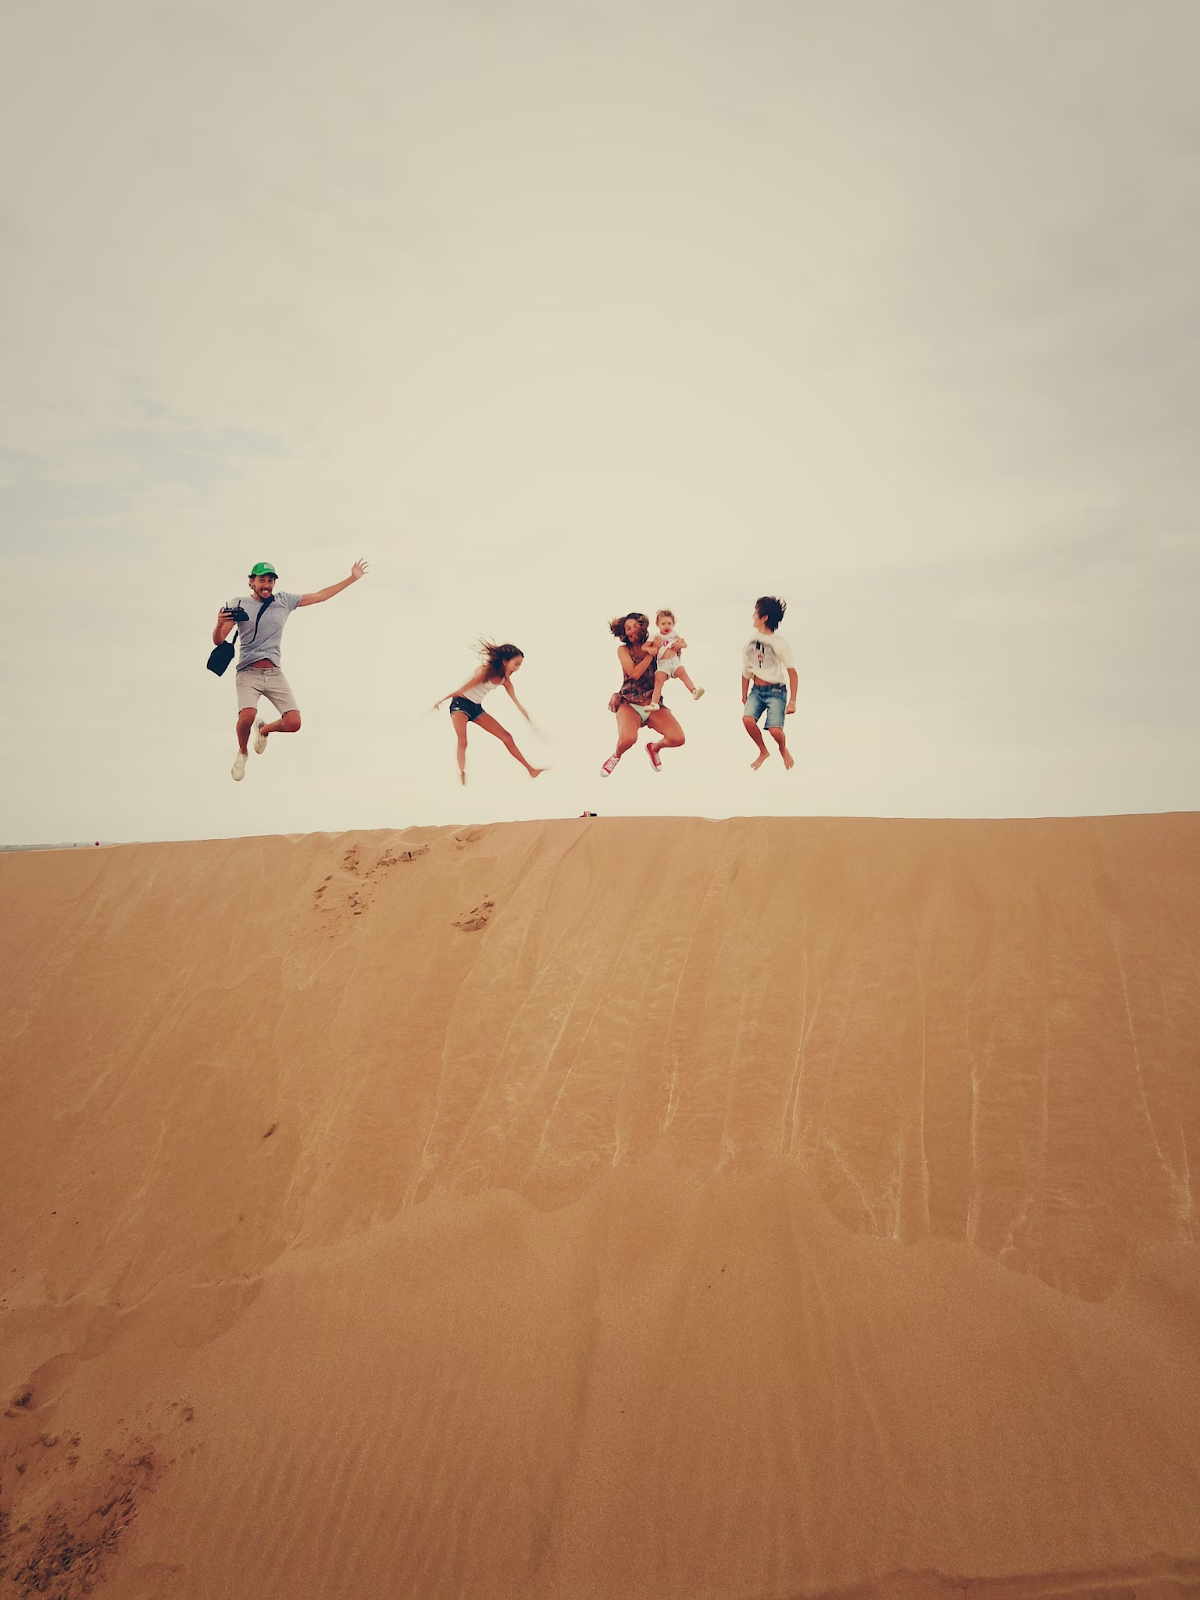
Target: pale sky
(559,310)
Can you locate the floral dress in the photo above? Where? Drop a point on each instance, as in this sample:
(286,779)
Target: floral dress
(638,691)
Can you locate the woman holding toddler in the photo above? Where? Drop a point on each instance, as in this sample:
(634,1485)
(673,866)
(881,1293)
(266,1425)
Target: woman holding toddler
(633,701)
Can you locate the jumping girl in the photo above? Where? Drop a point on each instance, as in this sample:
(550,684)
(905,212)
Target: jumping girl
(632,700)
(500,661)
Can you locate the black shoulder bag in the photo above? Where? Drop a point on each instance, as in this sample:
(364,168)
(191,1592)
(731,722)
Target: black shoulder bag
(222,654)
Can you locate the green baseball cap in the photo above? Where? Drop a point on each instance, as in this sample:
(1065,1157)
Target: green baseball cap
(263,569)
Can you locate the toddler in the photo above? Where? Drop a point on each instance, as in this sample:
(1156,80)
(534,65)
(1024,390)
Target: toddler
(669,664)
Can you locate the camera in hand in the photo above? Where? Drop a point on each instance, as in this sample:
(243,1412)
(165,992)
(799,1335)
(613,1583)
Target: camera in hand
(237,613)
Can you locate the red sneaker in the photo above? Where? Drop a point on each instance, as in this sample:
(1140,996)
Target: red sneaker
(610,766)
(652,752)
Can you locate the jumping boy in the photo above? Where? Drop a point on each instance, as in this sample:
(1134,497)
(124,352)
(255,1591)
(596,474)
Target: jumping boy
(670,664)
(766,665)
(259,617)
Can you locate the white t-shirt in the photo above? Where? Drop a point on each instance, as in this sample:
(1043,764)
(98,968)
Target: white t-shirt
(669,642)
(767,656)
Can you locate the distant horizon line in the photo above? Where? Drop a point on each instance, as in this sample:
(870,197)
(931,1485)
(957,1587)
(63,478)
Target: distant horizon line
(408,827)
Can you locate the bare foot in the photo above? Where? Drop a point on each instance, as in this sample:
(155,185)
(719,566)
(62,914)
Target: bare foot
(758,761)
(462,778)
(536,772)
(789,760)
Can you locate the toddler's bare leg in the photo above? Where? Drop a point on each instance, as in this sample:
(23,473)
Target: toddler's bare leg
(659,679)
(681,674)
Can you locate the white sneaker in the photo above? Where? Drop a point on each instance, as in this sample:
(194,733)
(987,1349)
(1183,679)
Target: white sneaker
(696,693)
(260,739)
(238,771)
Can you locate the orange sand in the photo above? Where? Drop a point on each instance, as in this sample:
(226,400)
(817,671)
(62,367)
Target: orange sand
(614,1208)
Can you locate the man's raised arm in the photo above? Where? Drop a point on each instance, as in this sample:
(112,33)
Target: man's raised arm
(357,571)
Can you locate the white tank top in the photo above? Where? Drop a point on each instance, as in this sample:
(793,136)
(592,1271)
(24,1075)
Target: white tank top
(478,691)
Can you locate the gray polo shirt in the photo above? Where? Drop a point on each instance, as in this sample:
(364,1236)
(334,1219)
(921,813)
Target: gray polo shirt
(263,644)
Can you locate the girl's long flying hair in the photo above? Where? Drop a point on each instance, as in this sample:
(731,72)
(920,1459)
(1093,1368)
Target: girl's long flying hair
(495,655)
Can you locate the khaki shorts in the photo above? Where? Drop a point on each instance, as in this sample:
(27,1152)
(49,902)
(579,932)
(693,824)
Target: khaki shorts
(256,681)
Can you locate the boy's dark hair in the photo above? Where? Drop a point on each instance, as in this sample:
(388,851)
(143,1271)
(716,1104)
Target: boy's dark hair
(665,612)
(617,626)
(771,610)
(496,655)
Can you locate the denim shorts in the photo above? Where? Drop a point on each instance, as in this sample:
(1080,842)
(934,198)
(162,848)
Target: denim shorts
(768,697)
(469,708)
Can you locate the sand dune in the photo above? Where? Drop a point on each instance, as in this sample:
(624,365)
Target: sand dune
(616,1208)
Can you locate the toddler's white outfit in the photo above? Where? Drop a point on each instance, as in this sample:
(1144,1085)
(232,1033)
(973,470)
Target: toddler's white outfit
(669,660)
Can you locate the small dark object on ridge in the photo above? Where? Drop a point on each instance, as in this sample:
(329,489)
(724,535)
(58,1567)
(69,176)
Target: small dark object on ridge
(270,1130)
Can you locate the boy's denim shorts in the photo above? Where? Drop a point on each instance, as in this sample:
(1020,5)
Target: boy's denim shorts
(768,697)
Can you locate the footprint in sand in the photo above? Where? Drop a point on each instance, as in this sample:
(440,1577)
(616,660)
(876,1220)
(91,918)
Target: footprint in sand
(44,1386)
(408,853)
(69,1549)
(478,917)
(345,900)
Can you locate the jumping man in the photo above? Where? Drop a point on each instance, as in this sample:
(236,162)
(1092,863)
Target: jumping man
(259,617)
